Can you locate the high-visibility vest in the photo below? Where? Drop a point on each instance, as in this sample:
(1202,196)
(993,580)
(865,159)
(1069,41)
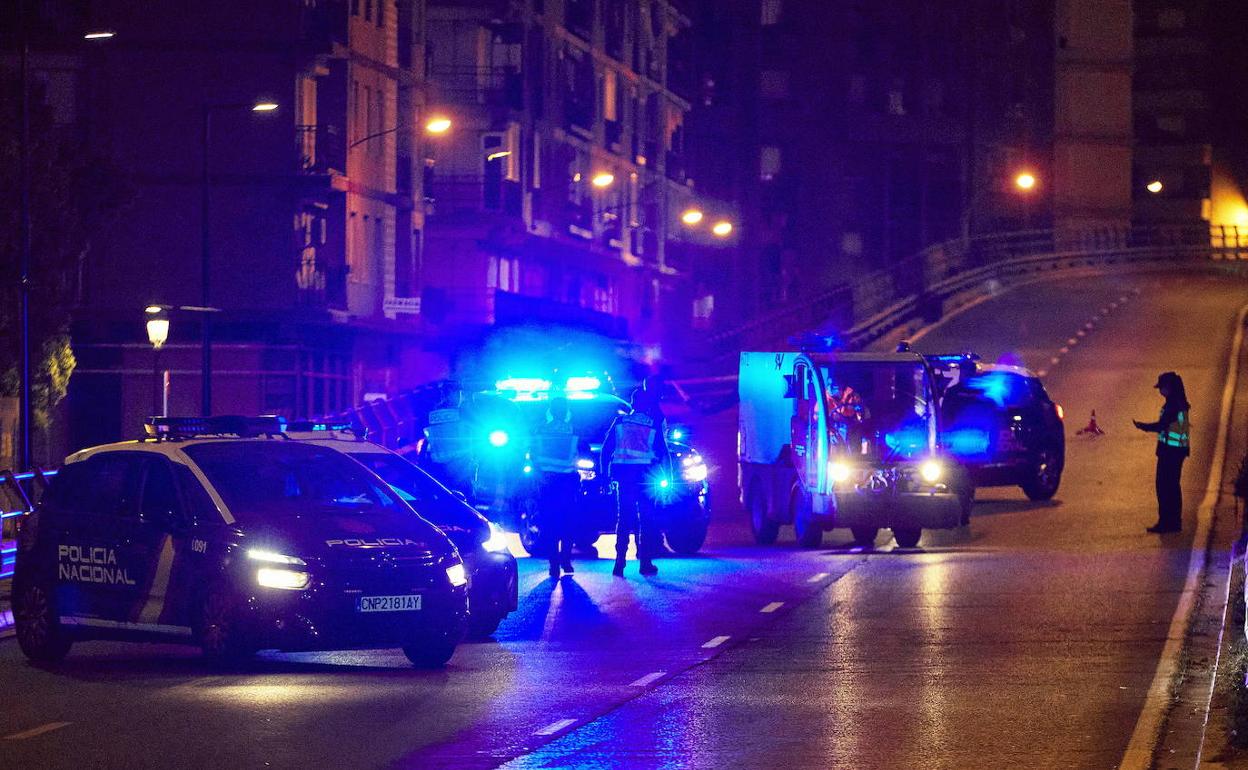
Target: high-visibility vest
(448,436)
(634,440)
(554,448)
(1177,434)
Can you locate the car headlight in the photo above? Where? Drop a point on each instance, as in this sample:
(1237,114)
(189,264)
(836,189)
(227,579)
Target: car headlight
(585,464)
(693,469)
(286,579)
(457,575)
(273,557)
(839,471)
(496,542)
(931,471)
(499,438)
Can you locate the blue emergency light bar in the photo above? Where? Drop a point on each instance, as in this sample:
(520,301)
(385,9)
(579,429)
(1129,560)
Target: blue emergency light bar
(167,428)
(301,426)
(577,388)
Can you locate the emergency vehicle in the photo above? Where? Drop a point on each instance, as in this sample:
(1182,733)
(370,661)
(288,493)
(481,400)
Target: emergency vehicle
(224,533)
(845,440)
(492,580)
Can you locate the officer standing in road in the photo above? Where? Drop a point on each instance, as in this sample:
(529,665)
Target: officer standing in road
(1173,446)
(554,455)
(635,458)
(449,440)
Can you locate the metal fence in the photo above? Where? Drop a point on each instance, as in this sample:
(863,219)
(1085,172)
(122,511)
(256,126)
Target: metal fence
(19,493)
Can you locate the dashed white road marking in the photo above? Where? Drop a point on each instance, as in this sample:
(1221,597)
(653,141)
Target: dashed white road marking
(1063,350)
(815,578)
(1073,341)
(40,730)
(712,644)
(1042,373)
(648,679)
(772,607)
(1053,361)
(1081,333)
(555,727)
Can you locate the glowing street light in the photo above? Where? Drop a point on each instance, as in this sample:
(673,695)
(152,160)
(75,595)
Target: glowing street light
(99,34)
(603,179)
(438,125)
(264,106)
(722,229)
(691,217)
(1025,181)
(1155,186)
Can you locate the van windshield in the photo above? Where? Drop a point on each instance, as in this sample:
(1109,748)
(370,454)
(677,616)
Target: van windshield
(879,409)
(262,479)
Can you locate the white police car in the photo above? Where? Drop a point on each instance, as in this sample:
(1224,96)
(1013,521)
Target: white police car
(224,533)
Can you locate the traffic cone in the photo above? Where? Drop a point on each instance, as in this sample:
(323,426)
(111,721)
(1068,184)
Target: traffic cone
(1091,429)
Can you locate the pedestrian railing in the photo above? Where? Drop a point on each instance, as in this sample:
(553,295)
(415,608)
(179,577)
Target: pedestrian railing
(19,493)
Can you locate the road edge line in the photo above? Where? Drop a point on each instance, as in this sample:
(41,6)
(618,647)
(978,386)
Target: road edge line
(1147,732)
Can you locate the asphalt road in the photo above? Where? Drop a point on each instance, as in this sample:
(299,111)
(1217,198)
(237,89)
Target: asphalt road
(1028,640)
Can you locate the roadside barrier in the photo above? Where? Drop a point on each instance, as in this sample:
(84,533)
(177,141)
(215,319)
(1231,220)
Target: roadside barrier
(19,493)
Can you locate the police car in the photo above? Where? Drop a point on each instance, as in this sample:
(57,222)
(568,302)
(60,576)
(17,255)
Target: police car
(492,582)
(224,533)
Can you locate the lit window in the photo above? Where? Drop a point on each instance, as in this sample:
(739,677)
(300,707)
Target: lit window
(771,12)
(768,163)
(610,96)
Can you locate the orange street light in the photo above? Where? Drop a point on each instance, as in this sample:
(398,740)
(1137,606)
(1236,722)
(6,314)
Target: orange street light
(1155,186)
(691,217)
(722,229)
(603,179)
(1025,181)
(264,106)
(438,125)
(99,34)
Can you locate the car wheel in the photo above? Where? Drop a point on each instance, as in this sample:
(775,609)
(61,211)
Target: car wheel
(220,637)
(687,537)
(1044,478)
(907,537)
(865,536)
(432,653)
(808,532)
(765,530)
(481,627)
(39,631)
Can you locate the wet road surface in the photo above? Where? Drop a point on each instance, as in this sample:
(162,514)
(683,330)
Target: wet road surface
(1027,640)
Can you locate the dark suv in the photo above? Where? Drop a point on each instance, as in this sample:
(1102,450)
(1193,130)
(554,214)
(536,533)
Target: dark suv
(225,534)
(1002,424)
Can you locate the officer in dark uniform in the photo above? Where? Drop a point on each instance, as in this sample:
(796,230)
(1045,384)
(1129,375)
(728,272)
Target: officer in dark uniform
(1173,431)
(636,460)
(554,455)
(449,441)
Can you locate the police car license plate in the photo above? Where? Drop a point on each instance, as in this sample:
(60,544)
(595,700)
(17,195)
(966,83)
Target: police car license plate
(401,603)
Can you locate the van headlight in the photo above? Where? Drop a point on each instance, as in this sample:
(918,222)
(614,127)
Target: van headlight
(285,579)
(272,557)
(457,575)
(931,471)
(497,541)
(839,471)
(693,469)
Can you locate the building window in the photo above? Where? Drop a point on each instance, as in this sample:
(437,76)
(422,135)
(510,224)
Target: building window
(368,10)
(772,9)
(504,274)
(768,163)
(774,84)
(381,13)
(355,7)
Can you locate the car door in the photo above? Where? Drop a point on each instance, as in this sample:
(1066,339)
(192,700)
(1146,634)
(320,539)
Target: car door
(155,540)
(93,578)
(805,427)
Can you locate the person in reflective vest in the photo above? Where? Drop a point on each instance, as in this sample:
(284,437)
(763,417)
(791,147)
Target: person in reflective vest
(449,441)
(1173,431)
(554,454)
(635,458)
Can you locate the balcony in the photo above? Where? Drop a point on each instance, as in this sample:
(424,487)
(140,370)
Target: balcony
(489,86)
(321,150)
(449,196)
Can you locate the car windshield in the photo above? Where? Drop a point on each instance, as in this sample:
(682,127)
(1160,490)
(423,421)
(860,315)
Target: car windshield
(411,483)
(271,478)
(879,409)
(1005,389)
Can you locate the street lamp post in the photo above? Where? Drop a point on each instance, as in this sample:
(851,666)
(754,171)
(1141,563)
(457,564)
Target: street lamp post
(157,334)
(205,327)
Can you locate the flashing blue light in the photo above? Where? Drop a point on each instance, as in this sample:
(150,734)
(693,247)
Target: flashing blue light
(523,384)
(499,438)
(1001,388)
(528,469)
(664,483)
(967,442)
(583,383)
(907,440)
(678,434)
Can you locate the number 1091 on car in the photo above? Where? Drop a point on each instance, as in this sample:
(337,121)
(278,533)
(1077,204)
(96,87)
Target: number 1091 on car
(401,603)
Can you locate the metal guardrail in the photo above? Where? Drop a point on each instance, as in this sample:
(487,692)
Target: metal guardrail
(19,493)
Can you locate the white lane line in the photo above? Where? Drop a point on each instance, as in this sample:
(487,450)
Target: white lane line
(1081,333)
(555,727)
(1104,310)
(1139,753)
(648,679)
(772,607)
(40,730)
(715,642)
(815,578)
(1063,350)
(1053,361)
(1073,341)
(1042,373)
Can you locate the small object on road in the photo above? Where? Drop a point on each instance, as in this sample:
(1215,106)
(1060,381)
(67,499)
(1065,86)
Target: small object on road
(1091,429)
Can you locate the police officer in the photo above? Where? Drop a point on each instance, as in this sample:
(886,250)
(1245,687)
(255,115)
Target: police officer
(1173,446)
(450,441)
(554,454)
(635,457)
